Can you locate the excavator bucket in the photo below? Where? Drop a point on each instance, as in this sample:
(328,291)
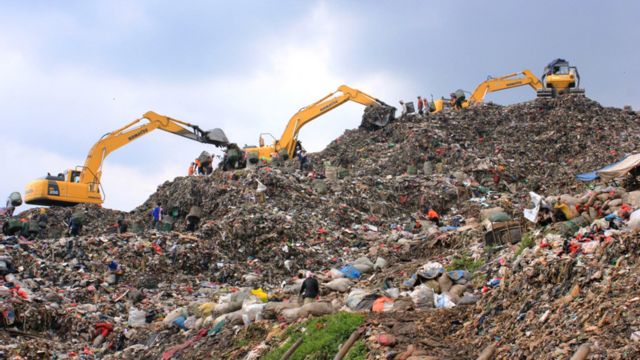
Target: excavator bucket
(377,116)
(216,137)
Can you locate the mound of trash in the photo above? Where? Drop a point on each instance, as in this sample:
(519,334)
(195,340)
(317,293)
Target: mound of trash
(539,145)
(54,221)
(481,275)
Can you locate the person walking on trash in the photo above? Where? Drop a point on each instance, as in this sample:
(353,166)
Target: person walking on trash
(156,212)
(310,289)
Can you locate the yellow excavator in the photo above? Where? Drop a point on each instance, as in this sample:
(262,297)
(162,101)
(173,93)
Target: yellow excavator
(526,77)
(82,184)
(377,115)
(558,78)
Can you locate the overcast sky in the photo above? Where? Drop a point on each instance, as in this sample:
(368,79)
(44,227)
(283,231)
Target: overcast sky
(71,71)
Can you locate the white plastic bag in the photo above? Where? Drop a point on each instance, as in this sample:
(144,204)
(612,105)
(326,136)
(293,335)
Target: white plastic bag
(136,317)
(532,214)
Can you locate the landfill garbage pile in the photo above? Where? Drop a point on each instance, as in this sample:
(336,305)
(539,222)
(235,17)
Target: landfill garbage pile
(310,222)
(539,145)
(96,219)
(478,277)
(572,286)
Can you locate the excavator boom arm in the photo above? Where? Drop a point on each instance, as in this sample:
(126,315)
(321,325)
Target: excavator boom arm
(505,82)
(92,169)
(307,114)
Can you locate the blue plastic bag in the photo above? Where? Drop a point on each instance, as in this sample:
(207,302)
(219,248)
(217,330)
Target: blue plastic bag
(350,272)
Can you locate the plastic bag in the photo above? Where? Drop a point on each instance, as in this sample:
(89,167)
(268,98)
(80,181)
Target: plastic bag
(423,297)
(380,264)
(355,297)
(174,315)
(252,313)
(260,294)
(442,301)
(532,214)
(363,264)
(137,318)
(350,272)
(261,187)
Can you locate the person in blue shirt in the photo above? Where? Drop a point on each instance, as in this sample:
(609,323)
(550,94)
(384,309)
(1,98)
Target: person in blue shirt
(156,212)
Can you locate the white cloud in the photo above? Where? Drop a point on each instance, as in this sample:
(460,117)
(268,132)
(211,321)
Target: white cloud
(58,113)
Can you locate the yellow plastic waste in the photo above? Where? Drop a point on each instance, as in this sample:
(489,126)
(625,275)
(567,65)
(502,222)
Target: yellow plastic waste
(207,308)
(566,211)
(260,294)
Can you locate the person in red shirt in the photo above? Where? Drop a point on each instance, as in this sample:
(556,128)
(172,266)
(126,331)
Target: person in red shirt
(192,169)
(433,216)
(420,105)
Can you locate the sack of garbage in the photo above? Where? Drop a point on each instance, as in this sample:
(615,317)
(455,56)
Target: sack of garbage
(459,276)
(634,221)
(363,265)
(354,298)
(499,217)
(316,309)
(271,310)
(335,274)
(173,315)
(234,318)
(422,297)
(485,214)
(341,285)
(252,313)
(291,315)
(380,264)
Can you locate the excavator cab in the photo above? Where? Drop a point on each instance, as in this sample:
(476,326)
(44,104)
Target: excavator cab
(63,189)
(560,77)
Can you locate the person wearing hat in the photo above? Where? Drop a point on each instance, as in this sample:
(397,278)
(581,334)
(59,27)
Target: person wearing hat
(43,220)
(310,289)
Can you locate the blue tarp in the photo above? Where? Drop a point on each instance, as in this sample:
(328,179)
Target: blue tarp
(590,176)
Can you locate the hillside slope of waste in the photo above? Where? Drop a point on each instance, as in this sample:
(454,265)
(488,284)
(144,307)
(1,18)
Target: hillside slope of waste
(481,278)
(537,145)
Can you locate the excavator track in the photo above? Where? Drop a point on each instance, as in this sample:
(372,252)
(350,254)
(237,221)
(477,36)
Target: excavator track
(545,93)
(576,91)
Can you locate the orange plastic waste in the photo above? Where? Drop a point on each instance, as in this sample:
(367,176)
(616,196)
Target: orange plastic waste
(378,305)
